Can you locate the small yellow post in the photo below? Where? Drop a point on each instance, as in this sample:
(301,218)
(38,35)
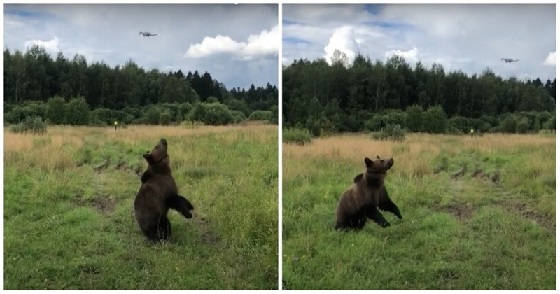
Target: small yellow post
(116,123)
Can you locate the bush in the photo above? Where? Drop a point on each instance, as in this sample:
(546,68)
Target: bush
(77,112)
(296,135)
(390,132)
(395,117)
(18,113)
(522,125)
(414,118)
(461,124)
(211,114)
(55,110)
(165,118)
(238,116)
(151,116)
(508,125)
(375,123)
(261,115)
(101,116)
(435,120)
(274,117)
(35,125)
(550,124)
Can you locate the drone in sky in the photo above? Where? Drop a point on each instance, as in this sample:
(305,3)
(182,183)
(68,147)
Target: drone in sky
(147,34)
(510,60)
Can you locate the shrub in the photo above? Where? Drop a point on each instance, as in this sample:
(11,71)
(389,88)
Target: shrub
(77,111)
(261,115)
(550,124)
(522,125)
(211,114)
(274,117)
(414,118)
(35,125)
(238,116)
(395,117)
(151,116)
(101,116)
(508,125)
(18,113)
(165,118)
(55,110)
(296,135)
(390,132)
(460,123)
(435,120)
(375,123)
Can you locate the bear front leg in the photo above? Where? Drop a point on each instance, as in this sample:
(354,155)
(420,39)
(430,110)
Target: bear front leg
(181,204)
(377,217)
(146,176)
(391,207)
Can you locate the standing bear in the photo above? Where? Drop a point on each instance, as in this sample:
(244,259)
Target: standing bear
(157,194)
(366,194)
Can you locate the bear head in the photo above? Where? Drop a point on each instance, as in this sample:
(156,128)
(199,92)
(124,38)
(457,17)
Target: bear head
(158,160)
(376,170)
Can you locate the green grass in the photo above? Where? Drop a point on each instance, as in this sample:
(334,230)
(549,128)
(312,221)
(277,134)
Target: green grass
(69,220)
(462,232)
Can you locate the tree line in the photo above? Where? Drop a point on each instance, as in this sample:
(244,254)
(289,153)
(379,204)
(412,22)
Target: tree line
(33,78)
(367,95)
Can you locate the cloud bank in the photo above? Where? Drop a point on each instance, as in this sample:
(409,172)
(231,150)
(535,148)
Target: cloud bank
(266,43)
(238,38)
(465,37)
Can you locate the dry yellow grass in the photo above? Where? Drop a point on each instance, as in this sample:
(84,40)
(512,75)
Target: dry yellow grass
(54,150)
(413,154)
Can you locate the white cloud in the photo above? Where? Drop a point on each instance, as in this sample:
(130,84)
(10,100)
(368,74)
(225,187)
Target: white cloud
(344,40)
(50,46)
(210,46)
(550,59)
(411,56)
(266,43)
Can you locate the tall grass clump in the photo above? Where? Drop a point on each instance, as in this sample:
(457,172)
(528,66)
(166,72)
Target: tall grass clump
(34,125)
(296,135)
(390,132)
(261,115)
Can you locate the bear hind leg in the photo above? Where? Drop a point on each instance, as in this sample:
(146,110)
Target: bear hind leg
(163,228)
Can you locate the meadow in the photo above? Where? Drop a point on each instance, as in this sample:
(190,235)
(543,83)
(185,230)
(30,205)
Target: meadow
(69,220)
(478,213)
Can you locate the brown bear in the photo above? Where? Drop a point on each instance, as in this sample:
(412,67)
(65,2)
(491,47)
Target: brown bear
(366,194)
(157,194)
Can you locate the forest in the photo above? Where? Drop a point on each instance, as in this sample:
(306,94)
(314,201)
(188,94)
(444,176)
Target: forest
(367,95)
(75,92)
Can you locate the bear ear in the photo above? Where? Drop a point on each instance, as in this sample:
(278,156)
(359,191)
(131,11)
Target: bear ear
(368,162)
(389,163)
(147,156)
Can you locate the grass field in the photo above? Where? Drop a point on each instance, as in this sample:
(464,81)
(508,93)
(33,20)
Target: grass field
(69,220)
(478,213)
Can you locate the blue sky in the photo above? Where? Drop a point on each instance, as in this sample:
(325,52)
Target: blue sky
(469,38)
(237,44)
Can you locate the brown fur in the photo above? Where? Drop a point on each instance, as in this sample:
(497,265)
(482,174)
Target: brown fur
(366,194)
(157,194)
